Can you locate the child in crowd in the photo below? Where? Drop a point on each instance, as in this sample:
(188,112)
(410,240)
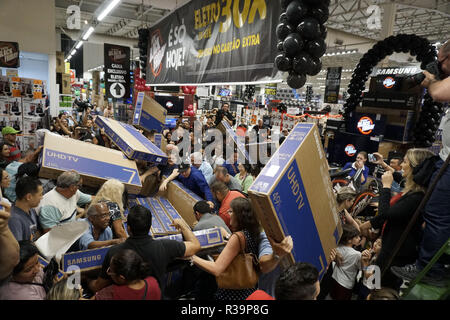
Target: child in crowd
(348,263)
(366,285)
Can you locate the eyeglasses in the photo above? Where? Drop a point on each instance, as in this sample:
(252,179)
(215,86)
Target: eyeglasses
(102,216)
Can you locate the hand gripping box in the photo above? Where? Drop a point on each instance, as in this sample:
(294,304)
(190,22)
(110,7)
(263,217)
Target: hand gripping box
(293,196)
(132,143)
(94,163)
(149,114)
(182,200)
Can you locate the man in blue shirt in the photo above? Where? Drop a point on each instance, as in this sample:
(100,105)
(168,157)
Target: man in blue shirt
(193,179)
(361,159)
(99,233)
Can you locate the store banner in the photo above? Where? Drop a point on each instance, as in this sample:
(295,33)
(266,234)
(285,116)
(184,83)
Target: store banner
(332,85)
(117,71)
(9,55)
(215,42)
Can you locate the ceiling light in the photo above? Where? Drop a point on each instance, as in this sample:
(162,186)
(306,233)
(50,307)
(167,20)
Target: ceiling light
(108,9)
(69,57)
(73,52)
(79,45)
(88,33)
(85,22)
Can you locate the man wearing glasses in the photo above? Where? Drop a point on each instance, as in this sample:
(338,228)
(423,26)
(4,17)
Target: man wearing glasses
(440,89)
(61,204)
(99,233)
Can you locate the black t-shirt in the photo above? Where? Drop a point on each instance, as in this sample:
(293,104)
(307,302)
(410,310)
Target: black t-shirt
(158,253)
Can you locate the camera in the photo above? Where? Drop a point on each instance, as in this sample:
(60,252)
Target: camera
(82,106)
(371,157)
(435,68)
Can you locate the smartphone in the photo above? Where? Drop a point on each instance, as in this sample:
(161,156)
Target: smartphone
(371,157)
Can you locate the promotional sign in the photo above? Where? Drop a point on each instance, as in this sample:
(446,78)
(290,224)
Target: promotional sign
(365,125)
(10,73)
(117,71)
(208,41)
(72,76)
(9,55)
(37,89)
(332,85)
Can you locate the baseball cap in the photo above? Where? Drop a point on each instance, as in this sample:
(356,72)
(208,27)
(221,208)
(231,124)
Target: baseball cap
(183,167)
(9,130)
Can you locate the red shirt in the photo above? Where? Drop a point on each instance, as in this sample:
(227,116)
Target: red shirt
(115,292)
(225,205)
(394,199)
(259,295)
(15,153)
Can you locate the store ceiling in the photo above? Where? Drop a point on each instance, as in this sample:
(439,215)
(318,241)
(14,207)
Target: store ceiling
(428,18)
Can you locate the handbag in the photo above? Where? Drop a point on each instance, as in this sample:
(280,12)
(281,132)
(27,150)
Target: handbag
(243,271)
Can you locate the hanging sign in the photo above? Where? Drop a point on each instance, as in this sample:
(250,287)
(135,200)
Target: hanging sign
(117,71)
(332,85)
(9,55)
(210,41)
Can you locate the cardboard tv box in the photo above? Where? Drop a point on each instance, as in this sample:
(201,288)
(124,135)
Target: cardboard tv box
(293,196)
(182,200)
(92,259)
(132,143)
(149,114)
(94,163)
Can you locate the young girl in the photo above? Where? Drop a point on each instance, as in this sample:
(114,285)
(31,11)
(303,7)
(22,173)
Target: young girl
(348,263)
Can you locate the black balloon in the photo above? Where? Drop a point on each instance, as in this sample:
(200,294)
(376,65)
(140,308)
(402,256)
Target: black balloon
(283,63)
(296,80)
(283,30)
(321,14)
(280,46)
(314,67)
(285,3)
(323,31)
(293,44)
(283,17)
(309,28)
(296,11)
(302,62)
(316,48)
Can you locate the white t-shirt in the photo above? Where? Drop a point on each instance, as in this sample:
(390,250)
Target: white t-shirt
(345,274)
(54,207)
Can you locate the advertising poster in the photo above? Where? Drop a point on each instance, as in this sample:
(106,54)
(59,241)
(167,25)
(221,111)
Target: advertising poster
(215,42)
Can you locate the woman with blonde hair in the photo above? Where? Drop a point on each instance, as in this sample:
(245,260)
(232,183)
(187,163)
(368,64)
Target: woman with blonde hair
(394,216)
(345,199)
(115,193)
(63,291)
